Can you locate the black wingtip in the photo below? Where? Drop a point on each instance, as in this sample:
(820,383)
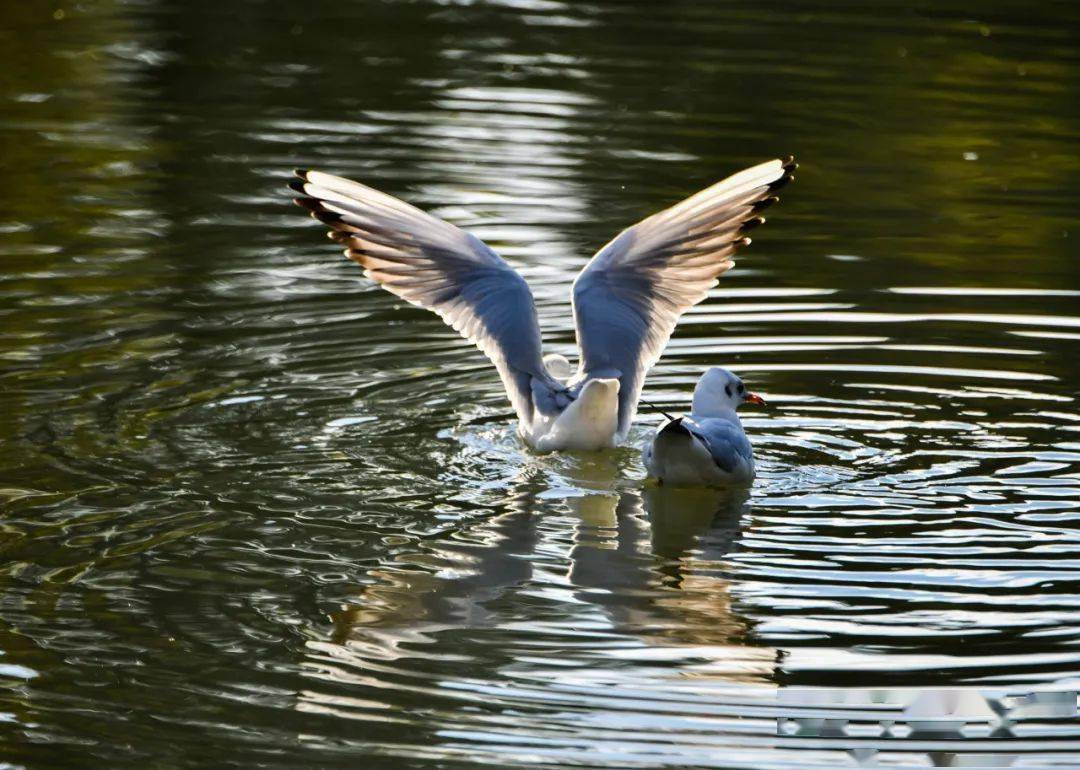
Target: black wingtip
(327,217)
(781,181)
(296,185)
(789,165)
(675,427)
(301,172)
(751,223)
(764,203)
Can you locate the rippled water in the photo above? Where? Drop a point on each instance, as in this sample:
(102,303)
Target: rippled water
(255,512)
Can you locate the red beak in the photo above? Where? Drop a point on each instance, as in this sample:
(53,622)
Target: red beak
(754,398)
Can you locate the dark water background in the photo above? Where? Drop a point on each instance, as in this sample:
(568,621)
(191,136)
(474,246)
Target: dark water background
(255,512)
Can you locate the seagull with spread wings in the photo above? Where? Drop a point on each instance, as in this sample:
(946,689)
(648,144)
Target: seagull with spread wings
(626,300)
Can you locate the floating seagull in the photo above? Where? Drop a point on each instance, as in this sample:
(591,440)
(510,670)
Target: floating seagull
(626,300)
(709,447)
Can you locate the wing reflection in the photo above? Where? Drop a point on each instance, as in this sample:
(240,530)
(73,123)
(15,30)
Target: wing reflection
(447,584)
(643,574)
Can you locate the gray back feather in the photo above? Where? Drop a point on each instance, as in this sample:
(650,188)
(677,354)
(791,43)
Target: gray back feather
(726,442)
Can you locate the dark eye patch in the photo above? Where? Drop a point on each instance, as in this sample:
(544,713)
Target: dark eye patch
(742,388)
(727,389)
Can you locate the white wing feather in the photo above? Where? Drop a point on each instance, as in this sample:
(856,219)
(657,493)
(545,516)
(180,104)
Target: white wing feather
(435,265)
(631,294)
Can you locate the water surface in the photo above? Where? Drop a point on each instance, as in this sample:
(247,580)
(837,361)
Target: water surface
(257,512)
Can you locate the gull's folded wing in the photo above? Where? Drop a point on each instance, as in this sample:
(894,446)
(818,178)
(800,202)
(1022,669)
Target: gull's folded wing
(629,297)
(437,266)
(727,444)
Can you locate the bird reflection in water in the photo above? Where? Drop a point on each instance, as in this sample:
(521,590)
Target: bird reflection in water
(654,561)
(644,567)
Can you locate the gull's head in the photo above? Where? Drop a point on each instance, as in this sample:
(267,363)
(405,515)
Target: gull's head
(719,392)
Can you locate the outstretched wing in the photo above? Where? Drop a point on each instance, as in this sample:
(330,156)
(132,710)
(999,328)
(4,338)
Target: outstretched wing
(435,265)
(629,297)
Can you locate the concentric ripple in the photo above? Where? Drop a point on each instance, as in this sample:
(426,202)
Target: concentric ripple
(256,513)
